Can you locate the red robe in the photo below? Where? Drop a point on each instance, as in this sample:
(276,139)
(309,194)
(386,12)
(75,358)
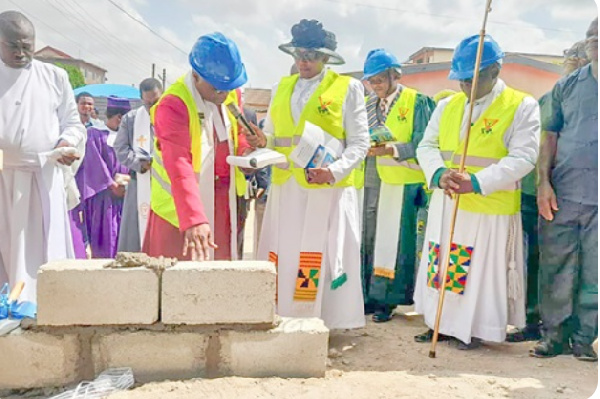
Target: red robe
(172,131)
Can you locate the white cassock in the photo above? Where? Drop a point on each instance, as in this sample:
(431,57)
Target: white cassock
(37,110)
(284,221)
(486,307)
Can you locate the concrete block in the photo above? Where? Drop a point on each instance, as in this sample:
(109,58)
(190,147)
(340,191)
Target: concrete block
(219,293)
(36,360)
(153,356)
(82,292)
(295,348)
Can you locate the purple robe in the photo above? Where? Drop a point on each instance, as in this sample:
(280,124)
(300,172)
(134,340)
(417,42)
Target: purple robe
(101,208)
(78,231)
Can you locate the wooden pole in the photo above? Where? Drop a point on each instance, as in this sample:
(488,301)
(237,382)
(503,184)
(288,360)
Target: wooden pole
(153,70)
(461,169)
(164,78)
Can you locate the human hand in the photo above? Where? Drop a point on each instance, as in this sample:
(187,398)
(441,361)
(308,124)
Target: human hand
(319,176)
(69,158)
(546,201)
(122,179)
(380,150)
(454,182)
(118,190)
(258,140)
(260,192)
(145,165)
(198,240)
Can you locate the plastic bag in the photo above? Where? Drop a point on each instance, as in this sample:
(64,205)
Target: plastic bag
(108,382)
(15,310)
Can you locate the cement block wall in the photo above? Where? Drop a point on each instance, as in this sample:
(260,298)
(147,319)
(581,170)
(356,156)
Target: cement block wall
(295,348)
(152,355)
(73,292)
(37,358)
(219,320)
(219,293)
(32,360)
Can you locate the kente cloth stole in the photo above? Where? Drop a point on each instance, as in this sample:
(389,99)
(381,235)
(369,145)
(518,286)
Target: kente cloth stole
(458,269)
(314,242)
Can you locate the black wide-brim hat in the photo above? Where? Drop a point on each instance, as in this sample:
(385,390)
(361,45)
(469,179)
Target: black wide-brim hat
(310,35)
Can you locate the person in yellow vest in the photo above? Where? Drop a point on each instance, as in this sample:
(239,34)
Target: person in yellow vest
(193,189)
(311,223)
(394,186)
(485,276)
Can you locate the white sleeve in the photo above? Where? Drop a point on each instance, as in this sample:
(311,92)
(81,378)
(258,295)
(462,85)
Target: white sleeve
(523,143)
(428,152)
(357,132)
(269,128)
(71,128)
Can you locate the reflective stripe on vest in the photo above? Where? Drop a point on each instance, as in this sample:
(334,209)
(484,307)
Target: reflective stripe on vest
(323,109)
(486,148)
(165,185)
(161,201)
(289,141)
(400,121)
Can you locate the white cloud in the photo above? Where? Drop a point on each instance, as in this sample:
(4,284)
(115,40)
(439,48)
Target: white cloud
(102,34)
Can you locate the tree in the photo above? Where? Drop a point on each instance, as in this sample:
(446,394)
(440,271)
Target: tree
(75,76)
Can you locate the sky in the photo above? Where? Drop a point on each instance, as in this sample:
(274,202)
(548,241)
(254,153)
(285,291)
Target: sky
(126,37)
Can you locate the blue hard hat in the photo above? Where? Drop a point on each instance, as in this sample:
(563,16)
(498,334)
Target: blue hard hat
(379,60)
(217,60)
(463,60)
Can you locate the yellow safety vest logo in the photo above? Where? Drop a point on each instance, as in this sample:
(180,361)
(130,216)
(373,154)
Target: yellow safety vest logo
(323,107)
(488,124)
(402,112)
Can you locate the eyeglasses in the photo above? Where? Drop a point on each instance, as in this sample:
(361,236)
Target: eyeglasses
(307,55)
(574,53)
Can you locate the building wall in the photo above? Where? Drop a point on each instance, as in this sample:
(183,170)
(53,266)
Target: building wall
(441,56)
(445,55)
(429,83)
(91,74)
(528,79)
(521,77)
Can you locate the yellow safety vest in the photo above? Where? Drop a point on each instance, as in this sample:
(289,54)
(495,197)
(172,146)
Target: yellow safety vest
(323,109)
(161,201)
(400,122)
(486,147)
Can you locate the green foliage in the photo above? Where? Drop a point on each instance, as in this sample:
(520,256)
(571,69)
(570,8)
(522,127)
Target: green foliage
(75,76)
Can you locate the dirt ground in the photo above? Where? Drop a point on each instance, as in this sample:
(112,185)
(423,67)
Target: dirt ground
(382,361)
